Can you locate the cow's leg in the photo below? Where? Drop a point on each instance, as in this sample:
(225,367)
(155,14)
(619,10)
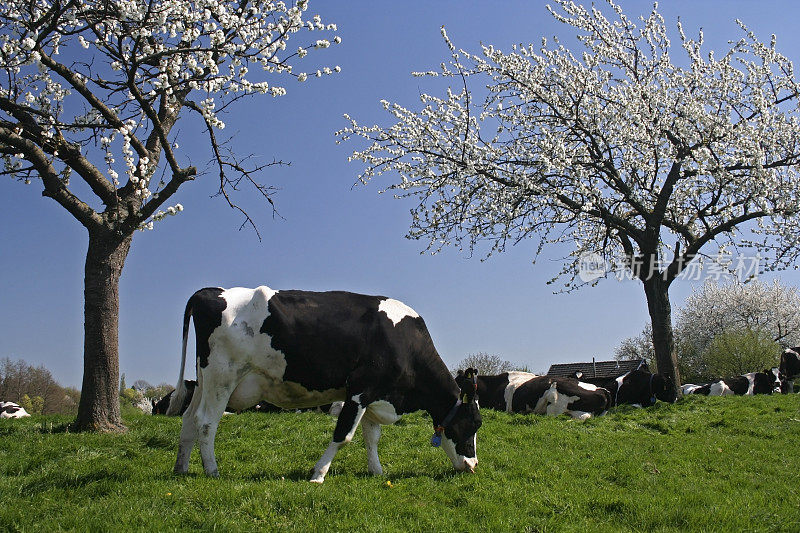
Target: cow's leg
(372,432)
(555,409)
(346,426)
(215,390)
(549,397)
(560,404)
(188,437)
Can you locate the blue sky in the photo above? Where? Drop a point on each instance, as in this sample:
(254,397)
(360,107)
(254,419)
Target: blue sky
(334,235)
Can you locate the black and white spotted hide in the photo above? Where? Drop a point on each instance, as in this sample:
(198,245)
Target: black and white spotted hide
(301,349)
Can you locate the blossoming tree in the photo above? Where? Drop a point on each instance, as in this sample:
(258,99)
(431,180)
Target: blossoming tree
(614,149)
(714,308)
(91,92)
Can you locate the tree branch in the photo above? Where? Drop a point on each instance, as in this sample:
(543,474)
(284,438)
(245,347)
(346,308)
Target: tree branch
(53,186)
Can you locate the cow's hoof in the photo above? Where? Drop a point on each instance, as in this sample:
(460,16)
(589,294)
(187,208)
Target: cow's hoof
(317,479)
(214,474)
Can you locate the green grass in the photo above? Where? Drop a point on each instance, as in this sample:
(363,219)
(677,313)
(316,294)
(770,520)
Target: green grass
(704,464)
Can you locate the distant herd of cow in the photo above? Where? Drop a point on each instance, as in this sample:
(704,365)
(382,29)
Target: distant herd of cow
(372,358)
(524,392)
(519,392)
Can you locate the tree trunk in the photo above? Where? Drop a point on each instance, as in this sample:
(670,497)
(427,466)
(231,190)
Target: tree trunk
(657,292)
(99,404)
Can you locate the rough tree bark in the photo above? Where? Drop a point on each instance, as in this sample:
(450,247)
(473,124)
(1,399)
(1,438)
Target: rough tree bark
(99,408)
(656,290)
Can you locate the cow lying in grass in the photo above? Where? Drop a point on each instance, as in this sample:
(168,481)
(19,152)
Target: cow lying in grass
(638,387)
(12,410)
(521,392)
(299,349)
(766,382)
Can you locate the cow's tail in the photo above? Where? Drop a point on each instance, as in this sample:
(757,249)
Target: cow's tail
(177,399)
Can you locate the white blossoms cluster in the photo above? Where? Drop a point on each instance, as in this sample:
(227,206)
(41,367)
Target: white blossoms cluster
(594,147)
(160,215)
(734,306)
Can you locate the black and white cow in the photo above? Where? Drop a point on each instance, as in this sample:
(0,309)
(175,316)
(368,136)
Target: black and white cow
(638,387)
(161,406)
(496,392)
(521,392)
(766,382)
(691,388)
(300,349)
(12,410)
(789,368)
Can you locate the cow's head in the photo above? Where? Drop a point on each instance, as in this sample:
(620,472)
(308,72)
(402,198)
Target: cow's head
(663,388)
(459,433)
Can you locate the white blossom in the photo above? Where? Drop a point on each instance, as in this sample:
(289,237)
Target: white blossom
(730,307)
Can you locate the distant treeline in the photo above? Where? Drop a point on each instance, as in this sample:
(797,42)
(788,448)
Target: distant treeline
(35,389)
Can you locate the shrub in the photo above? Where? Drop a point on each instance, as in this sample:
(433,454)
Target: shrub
(739,352)
(33,405)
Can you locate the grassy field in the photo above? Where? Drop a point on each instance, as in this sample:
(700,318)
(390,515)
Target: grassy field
(704,464)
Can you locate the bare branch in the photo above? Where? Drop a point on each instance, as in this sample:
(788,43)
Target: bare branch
(53,187)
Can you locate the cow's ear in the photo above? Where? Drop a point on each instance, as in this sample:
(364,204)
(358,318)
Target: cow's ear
(469,385)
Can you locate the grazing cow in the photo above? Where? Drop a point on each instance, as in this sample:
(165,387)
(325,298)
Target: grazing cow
(638,387)
(300,349)
(789,368)
(12,410)
(521,392)
(161,406)
(766,382)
